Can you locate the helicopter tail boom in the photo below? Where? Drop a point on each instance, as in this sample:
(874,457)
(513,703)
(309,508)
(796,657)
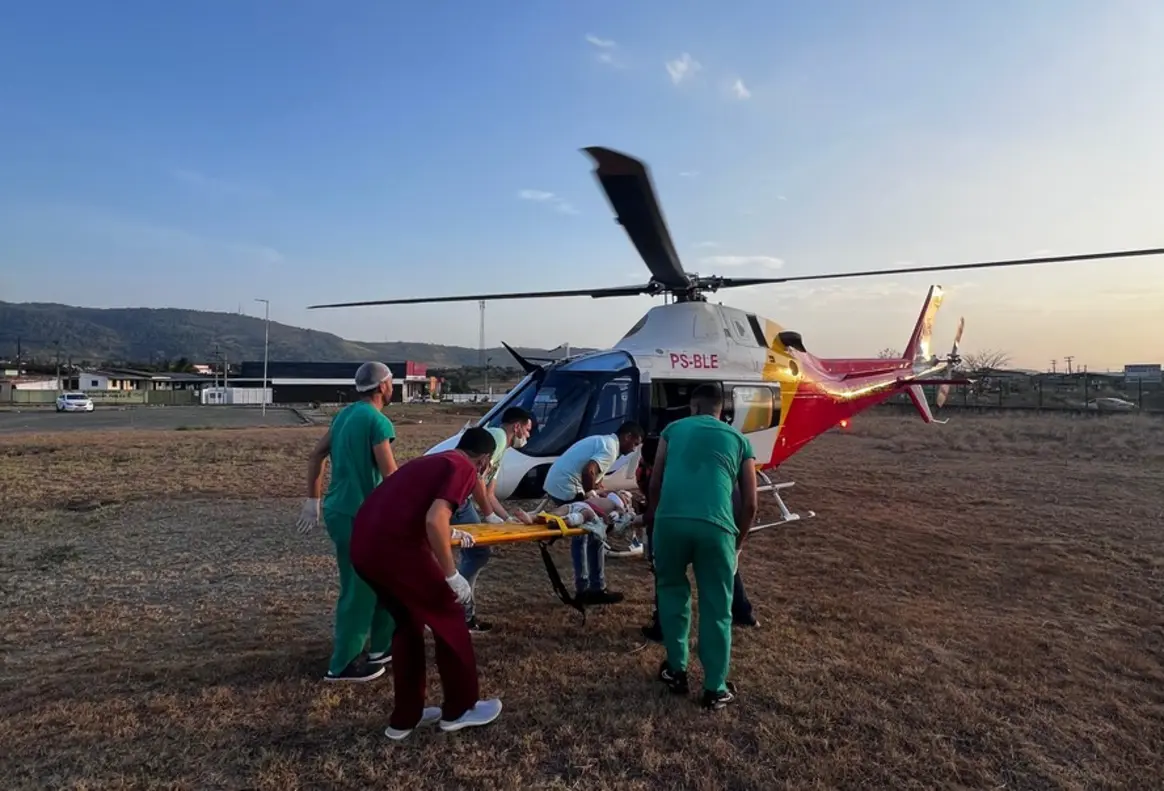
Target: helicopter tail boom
(919,340)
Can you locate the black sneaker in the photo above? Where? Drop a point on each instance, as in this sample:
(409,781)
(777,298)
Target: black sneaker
(380,659)
(600,597)
(749,621)
(653,632)
(478,627)
(714,701)
(357,671)
(675,680)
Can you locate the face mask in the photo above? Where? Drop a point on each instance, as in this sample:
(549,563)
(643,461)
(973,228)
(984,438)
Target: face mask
(519,442)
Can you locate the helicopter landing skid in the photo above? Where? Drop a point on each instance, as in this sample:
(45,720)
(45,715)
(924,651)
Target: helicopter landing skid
(786,515)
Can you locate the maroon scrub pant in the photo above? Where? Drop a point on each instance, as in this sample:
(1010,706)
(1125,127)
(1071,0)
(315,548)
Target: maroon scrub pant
(410,585)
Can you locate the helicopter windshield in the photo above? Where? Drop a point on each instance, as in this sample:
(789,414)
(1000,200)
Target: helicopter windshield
(592,395)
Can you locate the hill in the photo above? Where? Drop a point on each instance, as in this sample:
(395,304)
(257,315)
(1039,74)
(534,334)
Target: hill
(124,335)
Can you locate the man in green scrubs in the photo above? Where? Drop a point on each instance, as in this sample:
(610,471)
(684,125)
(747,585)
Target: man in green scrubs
(699,462)
(359,443)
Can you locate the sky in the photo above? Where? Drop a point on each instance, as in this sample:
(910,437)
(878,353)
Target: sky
(205,154)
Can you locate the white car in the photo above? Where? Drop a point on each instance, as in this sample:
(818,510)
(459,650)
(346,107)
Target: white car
(1111,404)
(74,402)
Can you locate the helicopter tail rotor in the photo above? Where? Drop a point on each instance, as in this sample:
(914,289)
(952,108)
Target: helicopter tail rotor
(953,360)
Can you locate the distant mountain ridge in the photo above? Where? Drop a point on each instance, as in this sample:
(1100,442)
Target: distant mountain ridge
(122,335)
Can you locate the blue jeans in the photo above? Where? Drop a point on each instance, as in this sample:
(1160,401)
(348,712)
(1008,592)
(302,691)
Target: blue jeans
(589,560)
(473,559)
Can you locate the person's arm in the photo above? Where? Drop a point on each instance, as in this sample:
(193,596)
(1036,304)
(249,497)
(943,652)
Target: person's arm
(481,499)
(495,504)
(595,468)
(382,435)
(749,499)
(655,487)
(590,475)
(315,461)
(440,534)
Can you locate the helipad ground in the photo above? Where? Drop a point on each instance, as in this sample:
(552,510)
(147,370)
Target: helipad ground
(39,420)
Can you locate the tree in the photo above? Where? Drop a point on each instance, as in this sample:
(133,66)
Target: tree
(988,359)
(888,354)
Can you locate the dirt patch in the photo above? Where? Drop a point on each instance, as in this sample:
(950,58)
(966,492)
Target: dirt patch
(976,605)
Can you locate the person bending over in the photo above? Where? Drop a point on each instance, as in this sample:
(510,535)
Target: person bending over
(572,478)
(402,548)
(484,506)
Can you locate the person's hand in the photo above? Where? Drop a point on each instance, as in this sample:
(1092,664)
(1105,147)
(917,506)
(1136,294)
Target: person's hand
(494,519)
(521,516)
(465,538)
(308,515)
(460,587)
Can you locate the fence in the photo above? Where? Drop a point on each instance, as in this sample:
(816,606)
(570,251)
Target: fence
(1038,394)
(17,397)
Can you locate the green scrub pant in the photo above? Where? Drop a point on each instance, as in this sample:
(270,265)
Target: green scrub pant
(357,611)
(712,552)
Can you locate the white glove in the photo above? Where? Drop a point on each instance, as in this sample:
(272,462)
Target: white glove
(460,587)
(494,519)
(308,515)
(466,538)
(591,493)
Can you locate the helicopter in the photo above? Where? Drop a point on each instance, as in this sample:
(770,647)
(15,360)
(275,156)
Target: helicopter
(776,392)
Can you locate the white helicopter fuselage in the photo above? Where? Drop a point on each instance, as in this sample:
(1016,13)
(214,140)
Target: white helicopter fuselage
(646,377)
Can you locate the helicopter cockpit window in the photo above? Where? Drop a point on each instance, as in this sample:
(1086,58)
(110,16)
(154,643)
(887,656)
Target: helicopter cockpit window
(753,408)
(610,361)
(612,406)
(558,409)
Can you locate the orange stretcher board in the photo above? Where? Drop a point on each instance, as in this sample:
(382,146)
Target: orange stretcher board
(513,532)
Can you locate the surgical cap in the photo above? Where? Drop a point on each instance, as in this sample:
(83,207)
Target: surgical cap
(369,376)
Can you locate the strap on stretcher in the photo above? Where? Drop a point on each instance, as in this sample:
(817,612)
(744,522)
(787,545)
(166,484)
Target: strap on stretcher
(552,570)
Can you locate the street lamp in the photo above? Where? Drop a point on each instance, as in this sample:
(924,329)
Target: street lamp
(266,341)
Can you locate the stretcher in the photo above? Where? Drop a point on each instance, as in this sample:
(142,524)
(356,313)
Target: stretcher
(555,527)
(514,532)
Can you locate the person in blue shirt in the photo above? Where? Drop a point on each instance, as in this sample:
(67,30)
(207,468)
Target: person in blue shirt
(577,473)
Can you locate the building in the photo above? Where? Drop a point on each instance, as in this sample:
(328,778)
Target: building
(327,382)
(128,379)
(1147,373)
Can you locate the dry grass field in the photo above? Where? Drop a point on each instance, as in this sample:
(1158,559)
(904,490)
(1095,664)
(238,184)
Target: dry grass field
(977,605)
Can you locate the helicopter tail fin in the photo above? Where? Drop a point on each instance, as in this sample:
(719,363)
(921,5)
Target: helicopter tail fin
(919,341)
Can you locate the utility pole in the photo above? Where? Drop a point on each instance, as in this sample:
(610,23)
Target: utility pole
(1053,367)
(266,343)
(58,345)
(1068,358)
(481,336)
(19,358)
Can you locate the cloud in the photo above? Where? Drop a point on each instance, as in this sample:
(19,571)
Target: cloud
(205,183)
(606,50)
(689,174)
(541,196)
(682,68)
(707,244)
(740,91)
(766,261)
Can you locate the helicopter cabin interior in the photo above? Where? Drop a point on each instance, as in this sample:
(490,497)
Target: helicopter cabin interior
(598,393)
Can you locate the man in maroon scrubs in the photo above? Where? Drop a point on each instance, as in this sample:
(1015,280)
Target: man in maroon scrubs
(401,546)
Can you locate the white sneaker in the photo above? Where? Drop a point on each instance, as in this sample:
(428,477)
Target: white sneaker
(430,716)
(482,714)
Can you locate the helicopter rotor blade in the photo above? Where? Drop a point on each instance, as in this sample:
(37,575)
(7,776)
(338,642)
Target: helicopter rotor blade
(627,184)
(739,282)
(595,293)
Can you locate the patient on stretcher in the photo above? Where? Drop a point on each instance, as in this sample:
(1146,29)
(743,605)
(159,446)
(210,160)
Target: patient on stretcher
(598,513)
